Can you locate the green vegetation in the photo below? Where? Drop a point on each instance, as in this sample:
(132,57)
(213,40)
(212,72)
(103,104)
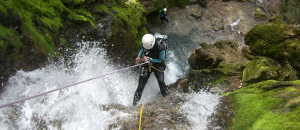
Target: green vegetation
(269,99)
(39,21)
(36,28)
(132,15)
(10,36)
(128,25)
(257,108)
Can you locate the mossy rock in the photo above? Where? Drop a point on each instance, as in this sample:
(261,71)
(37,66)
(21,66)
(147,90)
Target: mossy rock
(276,40)
(291,50)
(214,64)
(290,11)
(128,27)
(269,33)
(260,14)
(256,108)
(264,68)
(223,55)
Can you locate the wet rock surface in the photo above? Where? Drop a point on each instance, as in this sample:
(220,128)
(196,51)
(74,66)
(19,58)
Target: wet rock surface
(164,113)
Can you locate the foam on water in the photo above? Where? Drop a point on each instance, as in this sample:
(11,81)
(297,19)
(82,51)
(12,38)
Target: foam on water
(198,107)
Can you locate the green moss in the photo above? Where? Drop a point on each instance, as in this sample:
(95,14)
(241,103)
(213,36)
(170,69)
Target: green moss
(74,2)
(291,49)
(291,11)
(39,17)
(260,69)
(263,84)
(264,39)
(40,40)
(275,40)
(272,33)
(103,8)
(3,8)
(82,15)
(52,23)
(257,109)
(132,15)
(229,69)
(263,68)
(9,37)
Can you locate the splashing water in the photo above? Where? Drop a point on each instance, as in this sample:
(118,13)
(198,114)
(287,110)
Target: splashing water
(79,107)
(198,108)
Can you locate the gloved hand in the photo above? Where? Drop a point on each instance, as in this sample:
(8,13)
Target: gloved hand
(146,59)
(139,60)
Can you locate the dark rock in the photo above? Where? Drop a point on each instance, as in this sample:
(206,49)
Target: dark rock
(183,85)
(219,55)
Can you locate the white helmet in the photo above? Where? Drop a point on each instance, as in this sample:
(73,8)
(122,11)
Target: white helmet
(165,9)
(148,41)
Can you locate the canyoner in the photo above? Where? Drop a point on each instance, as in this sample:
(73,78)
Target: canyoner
(154,51)
(163,15)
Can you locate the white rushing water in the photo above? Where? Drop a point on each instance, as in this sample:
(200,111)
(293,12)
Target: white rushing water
(79,108)
(198,108)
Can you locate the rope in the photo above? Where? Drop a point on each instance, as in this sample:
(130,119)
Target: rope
(70,85)
(141,116)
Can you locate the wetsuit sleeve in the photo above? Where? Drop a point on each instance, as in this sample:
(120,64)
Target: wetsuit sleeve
(141,53)
(162,57)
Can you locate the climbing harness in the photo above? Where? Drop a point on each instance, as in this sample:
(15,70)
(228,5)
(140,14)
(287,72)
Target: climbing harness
(152,67)
(71,85)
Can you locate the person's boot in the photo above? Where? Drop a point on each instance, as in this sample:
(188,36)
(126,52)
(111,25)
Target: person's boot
(165,93)
(135,100)
(134,103)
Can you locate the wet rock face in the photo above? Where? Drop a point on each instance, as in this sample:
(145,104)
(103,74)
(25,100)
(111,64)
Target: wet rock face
(220,54)
(219,63)
(202,60)
(164,113)
(221,119)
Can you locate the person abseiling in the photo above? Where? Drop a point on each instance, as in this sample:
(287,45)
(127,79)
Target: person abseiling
(153,50)
(163,15)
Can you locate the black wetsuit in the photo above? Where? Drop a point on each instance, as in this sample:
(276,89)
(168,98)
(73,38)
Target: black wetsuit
(157,55)
(163,16)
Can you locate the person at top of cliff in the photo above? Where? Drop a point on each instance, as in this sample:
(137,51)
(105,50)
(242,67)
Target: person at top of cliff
(153,50)
(163,15)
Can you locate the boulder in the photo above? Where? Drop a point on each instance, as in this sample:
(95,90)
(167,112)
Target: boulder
(214,64)
(276,40)
(226,56)
(264,68)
